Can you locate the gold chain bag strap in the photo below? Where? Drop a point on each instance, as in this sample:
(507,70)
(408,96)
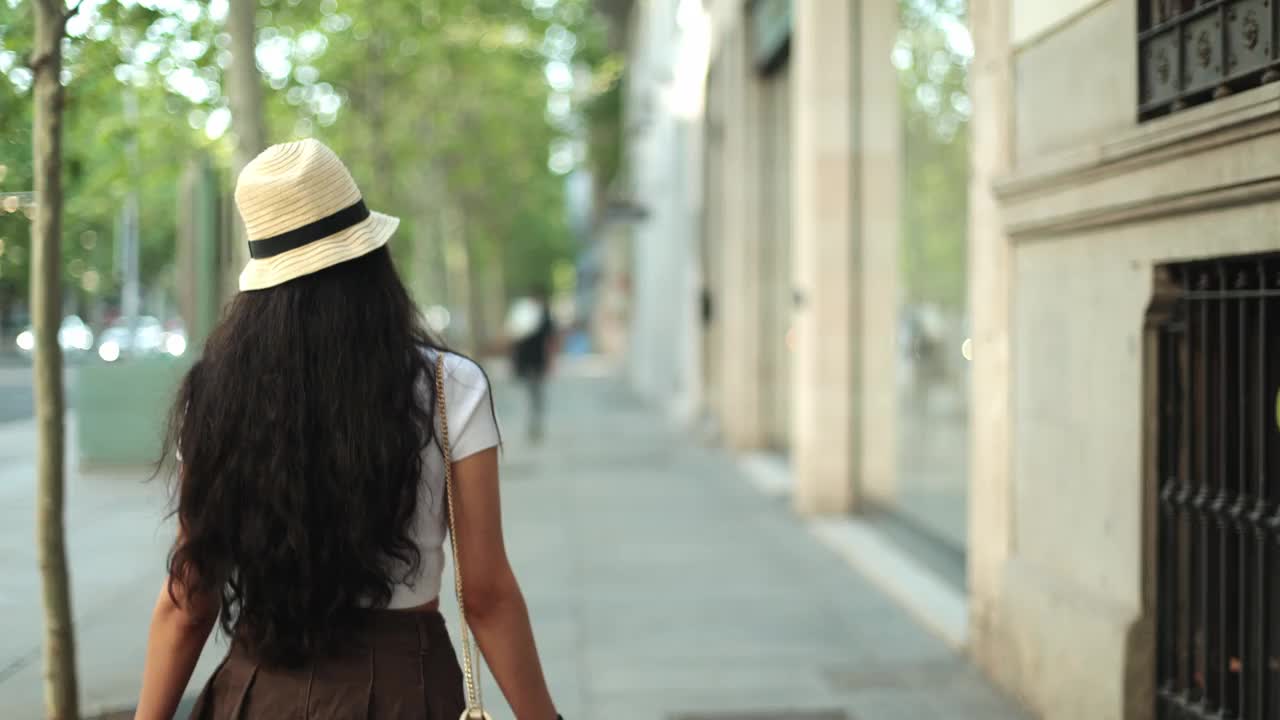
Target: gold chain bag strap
(475,710)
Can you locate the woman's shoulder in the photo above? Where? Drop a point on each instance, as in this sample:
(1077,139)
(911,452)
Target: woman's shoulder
(461,372)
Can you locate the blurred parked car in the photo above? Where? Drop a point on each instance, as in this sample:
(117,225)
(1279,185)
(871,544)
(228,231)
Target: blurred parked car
(74,336)
(143,336)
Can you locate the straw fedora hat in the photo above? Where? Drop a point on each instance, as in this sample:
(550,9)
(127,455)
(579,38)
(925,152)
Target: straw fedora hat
(302,213)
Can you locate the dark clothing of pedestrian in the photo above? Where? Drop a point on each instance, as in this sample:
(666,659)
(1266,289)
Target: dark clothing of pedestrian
(533,353)
(532,360)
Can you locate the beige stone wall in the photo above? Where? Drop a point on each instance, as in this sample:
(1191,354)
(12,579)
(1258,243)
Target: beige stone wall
(1070,599)
(1033,18)
(1078,83)
(1066,233)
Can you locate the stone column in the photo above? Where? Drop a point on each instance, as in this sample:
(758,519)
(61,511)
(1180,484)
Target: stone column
(845,216)
(738,297)
(712,241)
(687,271)
(878,128)
(772,213)
(991,158)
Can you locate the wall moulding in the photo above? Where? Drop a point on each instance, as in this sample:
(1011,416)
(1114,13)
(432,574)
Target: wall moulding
(1218,155)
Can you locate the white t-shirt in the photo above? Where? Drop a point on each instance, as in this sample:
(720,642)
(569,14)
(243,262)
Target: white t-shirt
(472,429)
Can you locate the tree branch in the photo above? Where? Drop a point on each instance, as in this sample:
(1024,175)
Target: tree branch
(35,62)
(71,12)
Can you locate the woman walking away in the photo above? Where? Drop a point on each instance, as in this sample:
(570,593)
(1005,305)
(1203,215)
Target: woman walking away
(533,354)
(325,444)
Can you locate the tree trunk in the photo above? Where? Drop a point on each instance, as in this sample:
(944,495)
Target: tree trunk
(463,275)
(244,90)
(60,693)
(495,291)
(429,277)
(381,184)
(454,262)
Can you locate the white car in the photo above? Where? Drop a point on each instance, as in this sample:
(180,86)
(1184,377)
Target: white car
(74,336)
(147,338)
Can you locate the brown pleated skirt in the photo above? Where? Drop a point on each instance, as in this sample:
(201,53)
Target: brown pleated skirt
(402,666)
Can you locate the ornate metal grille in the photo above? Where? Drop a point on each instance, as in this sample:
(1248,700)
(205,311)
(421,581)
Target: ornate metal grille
(1191,51)
(1218,530)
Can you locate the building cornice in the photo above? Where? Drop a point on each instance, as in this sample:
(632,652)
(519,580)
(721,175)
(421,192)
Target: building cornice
(1160,168)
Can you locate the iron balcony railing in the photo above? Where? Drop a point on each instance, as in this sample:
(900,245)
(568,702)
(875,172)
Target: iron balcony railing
(1218,525)
(1192,51)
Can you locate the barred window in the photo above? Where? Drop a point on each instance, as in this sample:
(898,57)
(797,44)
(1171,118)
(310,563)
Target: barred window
(1218,524)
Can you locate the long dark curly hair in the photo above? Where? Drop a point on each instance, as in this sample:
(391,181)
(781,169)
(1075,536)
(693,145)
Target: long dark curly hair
(302,430)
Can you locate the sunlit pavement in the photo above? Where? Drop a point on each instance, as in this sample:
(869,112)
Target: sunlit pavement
(661,584)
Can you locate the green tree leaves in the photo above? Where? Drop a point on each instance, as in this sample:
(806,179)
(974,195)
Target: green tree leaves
(932,57)
(438,106)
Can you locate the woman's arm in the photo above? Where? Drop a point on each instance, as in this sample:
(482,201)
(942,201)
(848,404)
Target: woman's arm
(495,607)
(178,634)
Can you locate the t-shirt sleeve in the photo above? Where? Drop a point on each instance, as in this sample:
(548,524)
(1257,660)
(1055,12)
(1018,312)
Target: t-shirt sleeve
(469,405)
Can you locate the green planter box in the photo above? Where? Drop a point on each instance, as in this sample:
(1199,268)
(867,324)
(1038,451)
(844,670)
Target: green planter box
(120,409)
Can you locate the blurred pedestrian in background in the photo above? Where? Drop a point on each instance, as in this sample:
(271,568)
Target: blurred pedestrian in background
(326,442)
(535,343)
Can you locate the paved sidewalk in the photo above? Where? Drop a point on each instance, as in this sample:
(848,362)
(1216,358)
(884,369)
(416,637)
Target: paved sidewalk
(662,585)
(117,539)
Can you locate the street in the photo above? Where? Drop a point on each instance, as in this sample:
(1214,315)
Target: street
(15,391)
(660,582)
